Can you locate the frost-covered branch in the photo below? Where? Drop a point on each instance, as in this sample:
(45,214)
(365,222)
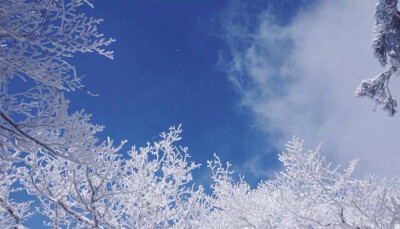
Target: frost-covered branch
(386,46)
(37,38)
(150,188)
(12,214)
(308,193)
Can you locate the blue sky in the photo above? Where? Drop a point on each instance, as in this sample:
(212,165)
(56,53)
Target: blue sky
(167,70)
(242,77)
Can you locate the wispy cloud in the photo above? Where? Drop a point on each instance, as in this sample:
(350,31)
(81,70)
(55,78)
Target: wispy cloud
(299,79)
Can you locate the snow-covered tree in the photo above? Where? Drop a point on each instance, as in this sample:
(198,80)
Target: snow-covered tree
(147,189)
(308,193)
(150,187)
(37,38)
(53,158)
(386,46)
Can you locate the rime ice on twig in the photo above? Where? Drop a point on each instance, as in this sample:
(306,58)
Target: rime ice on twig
(386,46)
(37,39)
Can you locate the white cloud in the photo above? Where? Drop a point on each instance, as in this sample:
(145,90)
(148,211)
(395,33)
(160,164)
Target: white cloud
(300,80)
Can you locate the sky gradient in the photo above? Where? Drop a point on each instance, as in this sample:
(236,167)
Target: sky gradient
(170,67)
(242,77)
